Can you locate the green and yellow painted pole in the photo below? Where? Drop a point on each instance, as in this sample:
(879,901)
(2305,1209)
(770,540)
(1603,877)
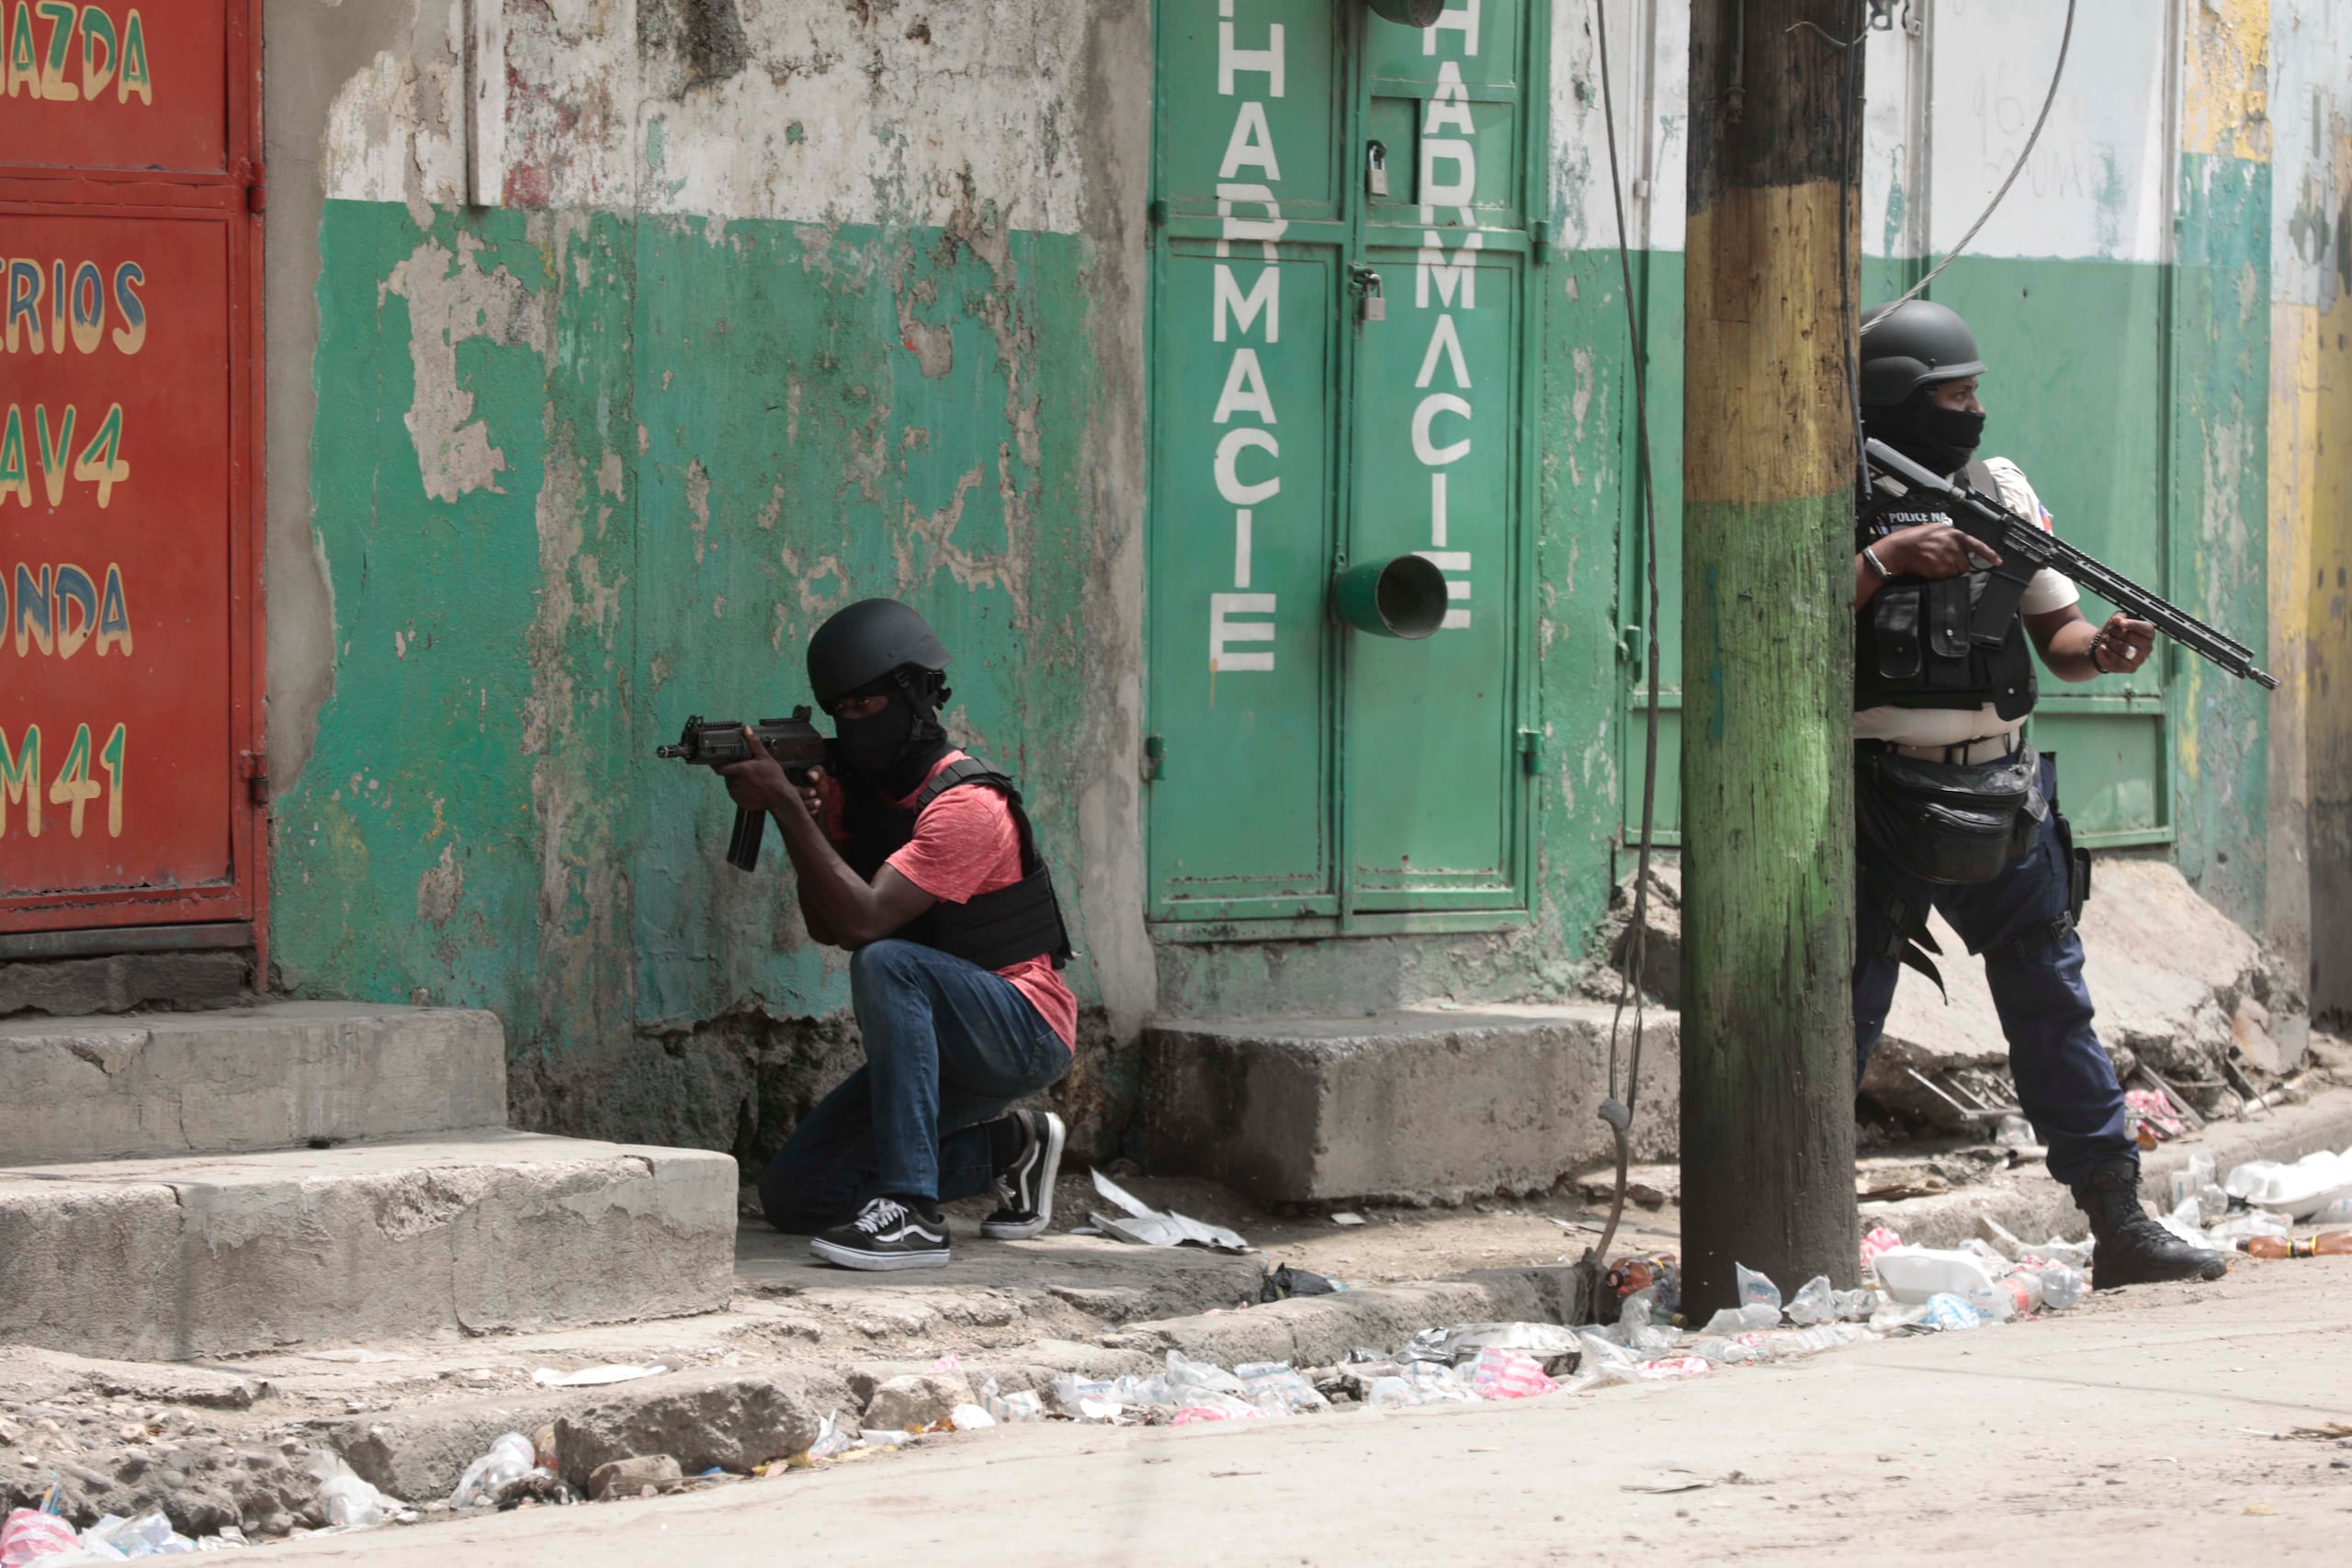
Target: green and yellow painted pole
(1767,1046)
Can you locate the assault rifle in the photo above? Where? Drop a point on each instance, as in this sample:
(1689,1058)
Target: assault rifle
(794,742)
(2026,548)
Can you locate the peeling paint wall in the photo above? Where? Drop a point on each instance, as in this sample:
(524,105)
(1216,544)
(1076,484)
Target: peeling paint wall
(2310,106)
(786,302)
(784,306)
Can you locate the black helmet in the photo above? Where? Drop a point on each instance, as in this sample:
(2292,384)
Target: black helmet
(1917,343)
(864,642)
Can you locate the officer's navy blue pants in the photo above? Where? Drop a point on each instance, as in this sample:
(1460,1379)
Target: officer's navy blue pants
(2066,1083)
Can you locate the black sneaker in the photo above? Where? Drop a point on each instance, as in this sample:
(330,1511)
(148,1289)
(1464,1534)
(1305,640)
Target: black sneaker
(1024,1189)
(886,1234)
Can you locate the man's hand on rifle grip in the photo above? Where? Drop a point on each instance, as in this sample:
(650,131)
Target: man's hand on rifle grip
(758,783)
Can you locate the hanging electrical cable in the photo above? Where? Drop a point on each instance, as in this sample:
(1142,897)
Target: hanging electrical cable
(2057,75)
(1618,1111)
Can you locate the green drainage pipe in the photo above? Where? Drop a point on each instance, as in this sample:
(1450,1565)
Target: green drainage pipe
(1402,596)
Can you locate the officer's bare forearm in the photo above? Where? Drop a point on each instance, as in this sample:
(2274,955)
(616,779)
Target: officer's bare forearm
(2067,651)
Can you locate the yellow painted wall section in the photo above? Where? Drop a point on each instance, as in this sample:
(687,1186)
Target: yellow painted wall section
(2294,485)
(2225,80)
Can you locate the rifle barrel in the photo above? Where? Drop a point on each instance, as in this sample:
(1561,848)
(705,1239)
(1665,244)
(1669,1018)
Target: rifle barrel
(2013,534)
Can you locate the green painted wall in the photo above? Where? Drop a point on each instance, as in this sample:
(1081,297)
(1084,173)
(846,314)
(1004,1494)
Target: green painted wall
(712,435)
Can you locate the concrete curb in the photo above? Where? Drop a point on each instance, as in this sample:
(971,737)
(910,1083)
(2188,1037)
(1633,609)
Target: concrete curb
(2033,1207)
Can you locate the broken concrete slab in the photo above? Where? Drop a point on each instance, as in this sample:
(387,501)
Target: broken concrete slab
(724,1420)
(273,1075)
(1405,1105)
(119,982)
(2168,972)
(214,1255)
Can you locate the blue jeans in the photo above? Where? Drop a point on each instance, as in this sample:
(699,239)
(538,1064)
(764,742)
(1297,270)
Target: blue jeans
(2066,1081)
(949,1046)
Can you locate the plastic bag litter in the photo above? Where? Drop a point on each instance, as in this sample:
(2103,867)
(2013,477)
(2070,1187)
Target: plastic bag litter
(831,1441)
(1186,1375)
(1217,1407)
(1020,1404)
(1817,1302)
(1419,1382)
(1500,1372)
(27,1535)
(1789,1344)
(511,1458)
(2073,1254)
(350,1503)
(1555,1347)
(1724,1350)
(1637,1330)
(149,1534)
(1274,1388)
(1749,1319)
(1757,1290)
(969,1418)
(1948,1313)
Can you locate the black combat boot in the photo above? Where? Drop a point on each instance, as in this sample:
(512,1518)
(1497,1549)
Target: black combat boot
(2132,1248)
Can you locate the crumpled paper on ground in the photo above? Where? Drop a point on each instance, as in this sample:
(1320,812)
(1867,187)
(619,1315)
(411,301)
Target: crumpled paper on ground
(1146,1226)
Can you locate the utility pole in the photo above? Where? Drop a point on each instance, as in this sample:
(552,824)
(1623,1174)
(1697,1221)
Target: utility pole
(1768,518)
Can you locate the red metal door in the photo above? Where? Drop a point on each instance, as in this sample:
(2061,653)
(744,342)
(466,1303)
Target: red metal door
(130,488)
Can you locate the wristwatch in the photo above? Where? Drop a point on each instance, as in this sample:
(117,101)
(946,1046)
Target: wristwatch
(1870,554)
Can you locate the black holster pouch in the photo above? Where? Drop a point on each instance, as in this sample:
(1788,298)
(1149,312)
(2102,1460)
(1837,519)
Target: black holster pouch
(1949,823)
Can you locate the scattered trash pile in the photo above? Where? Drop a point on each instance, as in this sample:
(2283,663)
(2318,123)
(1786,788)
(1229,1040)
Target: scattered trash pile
(2258,1206)
(40,1535)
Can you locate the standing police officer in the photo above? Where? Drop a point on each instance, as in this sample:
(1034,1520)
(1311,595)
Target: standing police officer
(1956,811)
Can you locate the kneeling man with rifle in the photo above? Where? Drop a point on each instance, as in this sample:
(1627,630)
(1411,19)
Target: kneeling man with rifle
(918,859)
(1955,811)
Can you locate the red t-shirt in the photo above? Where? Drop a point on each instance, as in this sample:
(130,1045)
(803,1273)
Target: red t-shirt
(964,844)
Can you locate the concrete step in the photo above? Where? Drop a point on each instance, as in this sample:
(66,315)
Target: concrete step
(275,1075)
(1415,1104)
(169,1259)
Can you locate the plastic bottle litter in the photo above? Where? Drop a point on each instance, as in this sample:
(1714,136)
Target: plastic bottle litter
(1641,1271)
(2327,1244)
(1756,1290)
(511,1458)
(350,1503)
(2063,1288)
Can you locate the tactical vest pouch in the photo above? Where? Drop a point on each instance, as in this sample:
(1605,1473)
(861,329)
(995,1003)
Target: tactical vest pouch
(1950,823)
(1898,633)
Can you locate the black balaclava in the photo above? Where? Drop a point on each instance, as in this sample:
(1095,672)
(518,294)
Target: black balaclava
(893,750)
(1939,438)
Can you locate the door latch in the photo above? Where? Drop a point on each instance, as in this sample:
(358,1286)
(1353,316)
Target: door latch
(1374,304)
(1375,168)
(1155,758)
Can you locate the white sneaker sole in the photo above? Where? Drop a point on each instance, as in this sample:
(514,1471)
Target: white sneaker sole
(855,1258)
(1049,1172)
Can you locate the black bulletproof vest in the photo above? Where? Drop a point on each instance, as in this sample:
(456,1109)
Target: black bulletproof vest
(1911,645)
(995,930)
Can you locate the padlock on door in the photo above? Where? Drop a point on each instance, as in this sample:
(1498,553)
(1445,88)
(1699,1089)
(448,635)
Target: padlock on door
(1376,302)
(1375,169)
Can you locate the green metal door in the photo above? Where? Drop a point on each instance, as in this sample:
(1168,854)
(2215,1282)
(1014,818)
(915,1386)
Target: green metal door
(1343,286)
